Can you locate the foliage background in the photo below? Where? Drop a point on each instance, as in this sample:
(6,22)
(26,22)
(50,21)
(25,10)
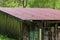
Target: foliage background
(31,3)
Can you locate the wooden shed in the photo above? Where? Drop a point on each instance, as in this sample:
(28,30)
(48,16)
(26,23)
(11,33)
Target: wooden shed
(30,23)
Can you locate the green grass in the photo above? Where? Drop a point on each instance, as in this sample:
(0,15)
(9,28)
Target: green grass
(5,38)
(58,26)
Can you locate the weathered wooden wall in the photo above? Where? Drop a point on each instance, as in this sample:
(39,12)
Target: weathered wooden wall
(10,25)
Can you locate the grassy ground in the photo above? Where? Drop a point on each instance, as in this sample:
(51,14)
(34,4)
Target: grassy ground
(5,38)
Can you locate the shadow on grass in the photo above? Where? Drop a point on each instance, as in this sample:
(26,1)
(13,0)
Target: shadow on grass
(5,38)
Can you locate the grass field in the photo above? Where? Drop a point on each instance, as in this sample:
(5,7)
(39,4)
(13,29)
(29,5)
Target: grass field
(5,38)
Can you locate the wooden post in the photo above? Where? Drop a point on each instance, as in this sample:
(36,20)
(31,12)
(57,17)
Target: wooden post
(49,32)
(41,30)
(52,29)
(55,31)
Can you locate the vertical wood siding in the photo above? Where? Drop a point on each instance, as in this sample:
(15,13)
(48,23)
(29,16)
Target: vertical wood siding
(9,25)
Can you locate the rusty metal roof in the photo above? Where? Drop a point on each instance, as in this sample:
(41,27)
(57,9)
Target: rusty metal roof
(33,13)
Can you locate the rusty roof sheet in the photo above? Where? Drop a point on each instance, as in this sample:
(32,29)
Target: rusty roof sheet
(33,13)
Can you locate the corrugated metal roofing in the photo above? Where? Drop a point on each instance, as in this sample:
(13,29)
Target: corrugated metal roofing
(33,13)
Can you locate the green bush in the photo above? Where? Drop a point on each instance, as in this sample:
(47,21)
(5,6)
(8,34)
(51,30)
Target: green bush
(5,38)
